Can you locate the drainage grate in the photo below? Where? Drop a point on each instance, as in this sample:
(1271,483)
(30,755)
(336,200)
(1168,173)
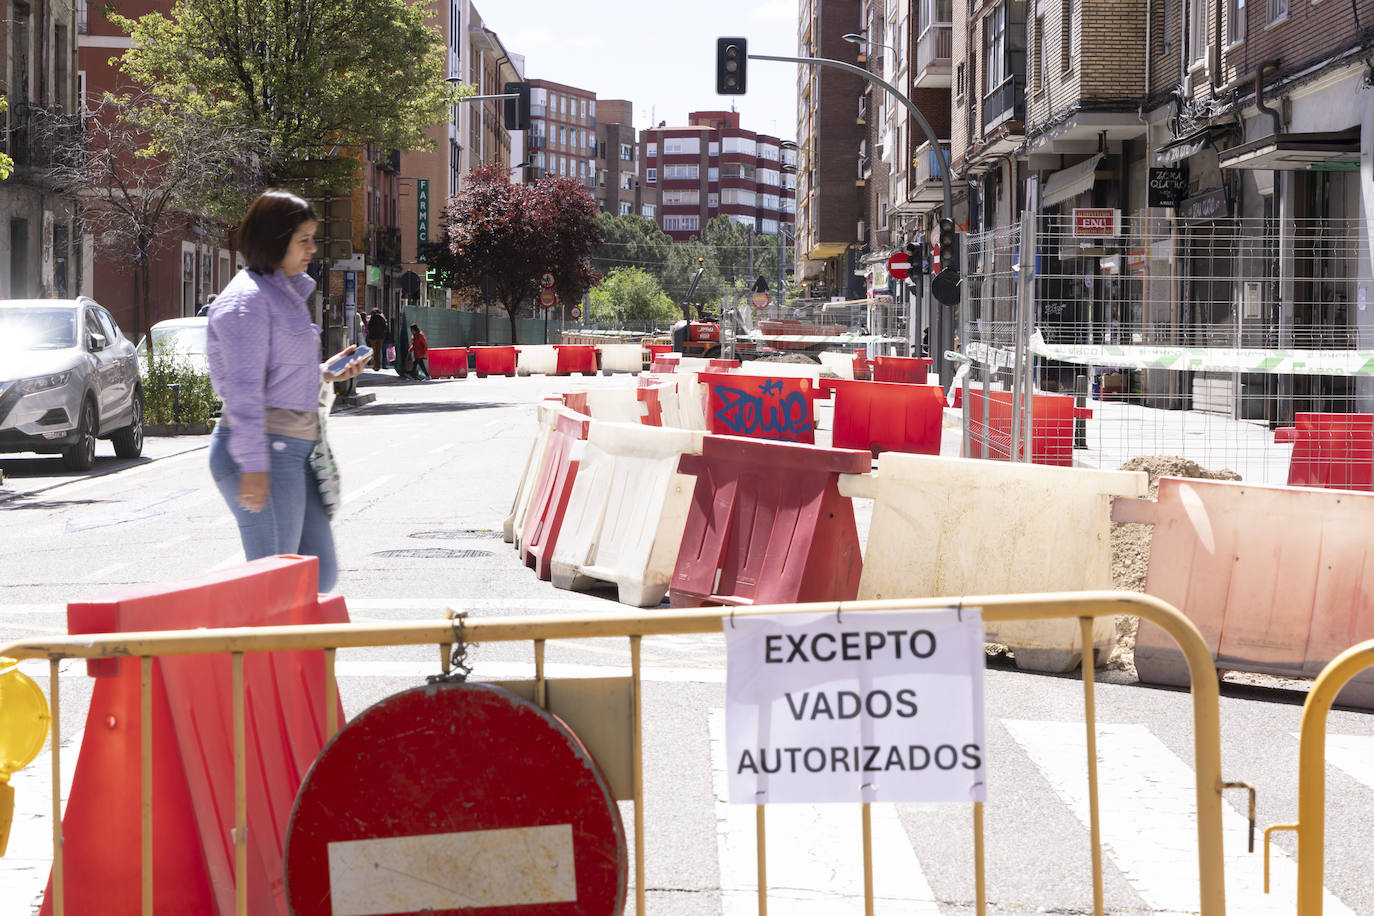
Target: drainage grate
(460,534)
(433,553)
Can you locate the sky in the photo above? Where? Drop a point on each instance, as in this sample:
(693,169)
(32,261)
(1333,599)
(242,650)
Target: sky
(661,56)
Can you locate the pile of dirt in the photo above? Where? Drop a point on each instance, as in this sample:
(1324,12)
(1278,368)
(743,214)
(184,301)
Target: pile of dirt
(1131,544)
(788,358)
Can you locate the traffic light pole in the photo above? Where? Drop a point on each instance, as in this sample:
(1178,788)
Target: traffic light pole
(945,338)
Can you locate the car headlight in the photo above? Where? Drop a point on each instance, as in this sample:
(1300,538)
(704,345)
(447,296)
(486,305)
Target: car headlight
(44,382)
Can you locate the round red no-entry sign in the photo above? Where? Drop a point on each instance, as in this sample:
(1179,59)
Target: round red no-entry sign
(548,299)
(455,798)
(899,265)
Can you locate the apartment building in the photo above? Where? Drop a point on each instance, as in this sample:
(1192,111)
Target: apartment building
(830,196)
(40,235)
(713,167)
(617,158)
(562,136)
(473,134)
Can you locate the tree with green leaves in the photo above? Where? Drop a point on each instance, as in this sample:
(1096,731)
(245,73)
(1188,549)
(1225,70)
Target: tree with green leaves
(504,237)
(310,77)
(631,294)
(684,260)
(631,241)
(6,163)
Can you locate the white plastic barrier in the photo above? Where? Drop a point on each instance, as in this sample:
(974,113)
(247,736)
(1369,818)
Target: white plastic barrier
(536,359)
(842,364)
(781,370)
(961,526)
(682,400)
(615,405)
(549,411)
(627,511)
(621,358)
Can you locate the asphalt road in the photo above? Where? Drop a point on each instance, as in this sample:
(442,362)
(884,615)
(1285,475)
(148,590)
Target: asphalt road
(429,473)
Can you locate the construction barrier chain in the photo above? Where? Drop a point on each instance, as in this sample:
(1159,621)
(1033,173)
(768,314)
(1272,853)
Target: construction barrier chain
(457,668)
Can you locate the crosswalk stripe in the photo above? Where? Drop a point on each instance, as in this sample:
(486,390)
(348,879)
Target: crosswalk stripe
(1353,754)
(1149,818)
(815,854)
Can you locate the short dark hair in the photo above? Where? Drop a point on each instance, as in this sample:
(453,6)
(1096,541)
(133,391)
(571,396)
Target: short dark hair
(266,230)
(415,327)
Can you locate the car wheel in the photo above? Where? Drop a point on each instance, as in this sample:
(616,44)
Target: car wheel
(128,442)
(81,455)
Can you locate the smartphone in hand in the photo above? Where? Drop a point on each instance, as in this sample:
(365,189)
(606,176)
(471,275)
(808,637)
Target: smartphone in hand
(343,362)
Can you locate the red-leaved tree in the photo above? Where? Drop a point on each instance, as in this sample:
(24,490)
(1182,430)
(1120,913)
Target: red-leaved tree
(504,237)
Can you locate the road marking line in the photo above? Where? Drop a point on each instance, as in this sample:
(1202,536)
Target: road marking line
(101,573)
(503,867)
(1149,818)
(1354,754)
(815,854)
(368,487)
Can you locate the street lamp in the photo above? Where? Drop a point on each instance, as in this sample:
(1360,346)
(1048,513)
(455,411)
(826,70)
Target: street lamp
(858,39)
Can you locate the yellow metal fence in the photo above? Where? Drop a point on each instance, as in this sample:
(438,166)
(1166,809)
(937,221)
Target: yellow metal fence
(634,627)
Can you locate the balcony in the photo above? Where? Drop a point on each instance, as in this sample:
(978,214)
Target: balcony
(1007,102)
(45,138)
(934,48)
(537,141)
(928,163)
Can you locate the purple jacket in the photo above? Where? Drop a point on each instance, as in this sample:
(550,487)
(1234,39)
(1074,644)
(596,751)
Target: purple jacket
(264,352)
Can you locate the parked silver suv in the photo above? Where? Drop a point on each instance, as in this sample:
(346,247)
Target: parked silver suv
(67,377)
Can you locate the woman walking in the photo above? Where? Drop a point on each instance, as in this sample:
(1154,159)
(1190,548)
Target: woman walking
(264,365)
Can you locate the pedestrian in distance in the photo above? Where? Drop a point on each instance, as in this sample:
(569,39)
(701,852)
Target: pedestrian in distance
(419,350)
(268,455)
(376,336)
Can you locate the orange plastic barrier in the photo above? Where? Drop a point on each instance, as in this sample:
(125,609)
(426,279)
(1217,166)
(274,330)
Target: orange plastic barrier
(193,741)
(910,369)
(768,524)
(1275,578)
(1332,450)
(576,358)
(886,416)
(550,503)
(448,362)
(1051,427)
(761,407)
(494,361)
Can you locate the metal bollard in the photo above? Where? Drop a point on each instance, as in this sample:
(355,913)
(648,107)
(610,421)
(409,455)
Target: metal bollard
(175,388)
(1080,399)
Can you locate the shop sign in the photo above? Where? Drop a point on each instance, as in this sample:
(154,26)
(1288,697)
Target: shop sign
(1167,186)
(1095,222)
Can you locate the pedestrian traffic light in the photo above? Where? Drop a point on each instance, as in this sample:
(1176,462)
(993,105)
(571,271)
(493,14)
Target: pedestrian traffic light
(431,276)
(517,110)
(731,56)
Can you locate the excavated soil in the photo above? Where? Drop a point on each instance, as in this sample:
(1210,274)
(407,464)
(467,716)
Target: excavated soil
(1131,545)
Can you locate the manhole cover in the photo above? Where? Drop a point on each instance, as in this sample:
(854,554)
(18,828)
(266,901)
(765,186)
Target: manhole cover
(433,553)
(460,534)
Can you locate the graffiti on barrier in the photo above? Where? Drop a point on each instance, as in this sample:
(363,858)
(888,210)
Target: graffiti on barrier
(771,413)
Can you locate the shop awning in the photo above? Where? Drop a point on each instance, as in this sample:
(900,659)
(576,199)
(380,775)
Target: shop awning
(1175,151)
(1070,182)
(1334,152)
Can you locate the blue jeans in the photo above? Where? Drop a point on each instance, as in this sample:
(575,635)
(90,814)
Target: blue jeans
(293,519)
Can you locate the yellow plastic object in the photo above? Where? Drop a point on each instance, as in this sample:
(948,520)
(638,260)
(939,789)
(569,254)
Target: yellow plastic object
(24,721)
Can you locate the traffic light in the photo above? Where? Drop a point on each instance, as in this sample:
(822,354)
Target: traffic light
(731,56)
(431,276)
(915,253)
(518,109)
(945,287)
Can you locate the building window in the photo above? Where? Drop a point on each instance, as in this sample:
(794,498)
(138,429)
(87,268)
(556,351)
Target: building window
(651,150)
(1038,43)
(1197,32)
(583,108)
(995,49)
(713,201)
(1235,21)
(1278,9)
(626,208)
(627,153)
(671,198)
(959,81)
(671,172)
(627,181)
(681,223)
(648,210)
(651,176)
(682,145)
(1066,34)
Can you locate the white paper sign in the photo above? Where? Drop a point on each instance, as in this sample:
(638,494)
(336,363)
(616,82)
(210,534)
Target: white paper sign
(873,707)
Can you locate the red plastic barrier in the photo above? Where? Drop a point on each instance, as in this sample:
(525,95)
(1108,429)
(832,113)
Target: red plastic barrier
(1331,450)
(768,525)
(761,407)
(863,366)
(886,416)
(657,350)
(448,362)
(550,502)
(1051,428)
(193,741)
(666,361)
(653,409)
(576,358)
(910,369)
(494,361)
